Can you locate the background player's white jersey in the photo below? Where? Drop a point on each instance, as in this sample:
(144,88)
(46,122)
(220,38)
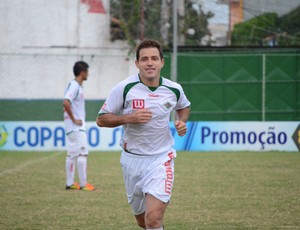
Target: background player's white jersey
(153,137)
(74,93)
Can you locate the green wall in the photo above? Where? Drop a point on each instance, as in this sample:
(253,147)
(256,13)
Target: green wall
(42,110)
(242,86)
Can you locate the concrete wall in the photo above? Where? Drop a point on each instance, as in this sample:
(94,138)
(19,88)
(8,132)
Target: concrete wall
(40,40)
(32,24)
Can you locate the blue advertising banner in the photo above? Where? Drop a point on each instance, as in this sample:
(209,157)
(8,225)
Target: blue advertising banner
(240,136)
(201,136)
(48,136)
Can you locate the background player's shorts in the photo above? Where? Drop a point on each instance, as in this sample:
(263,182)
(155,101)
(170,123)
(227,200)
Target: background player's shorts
(77,143)
(147,175)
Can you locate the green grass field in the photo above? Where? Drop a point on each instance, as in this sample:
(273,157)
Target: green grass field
(242,190)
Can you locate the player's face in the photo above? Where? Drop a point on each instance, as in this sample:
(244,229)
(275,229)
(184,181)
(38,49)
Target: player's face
(85,75)
(150,65)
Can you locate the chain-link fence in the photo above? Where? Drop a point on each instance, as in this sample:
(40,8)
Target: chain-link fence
(45,76)
(221,86)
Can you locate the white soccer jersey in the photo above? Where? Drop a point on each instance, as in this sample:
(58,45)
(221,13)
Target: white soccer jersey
(74,93)
(131,94)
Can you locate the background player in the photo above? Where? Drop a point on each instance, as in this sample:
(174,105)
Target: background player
(74,118)
(142,103)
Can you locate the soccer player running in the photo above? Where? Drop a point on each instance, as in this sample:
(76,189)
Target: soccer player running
(142,103)
(74,118)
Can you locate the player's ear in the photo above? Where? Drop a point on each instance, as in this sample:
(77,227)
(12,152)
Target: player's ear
(162,62)
(137,63)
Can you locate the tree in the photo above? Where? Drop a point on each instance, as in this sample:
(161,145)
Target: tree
(268,27)
(126,21)
(254,31)
(290,28)
(124,18)
(196,21)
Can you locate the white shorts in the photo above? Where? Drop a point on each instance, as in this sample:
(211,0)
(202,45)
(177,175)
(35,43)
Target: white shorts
(147,175)
(77,143)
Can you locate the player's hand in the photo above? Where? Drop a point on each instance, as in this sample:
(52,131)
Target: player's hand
(141,116)
(77,122)
(180,127)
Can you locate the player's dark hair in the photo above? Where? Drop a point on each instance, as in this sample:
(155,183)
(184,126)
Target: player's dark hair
(79,67)
(149,44)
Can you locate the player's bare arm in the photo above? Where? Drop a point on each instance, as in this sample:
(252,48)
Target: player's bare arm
(110,120)
(181,118)
(67,106)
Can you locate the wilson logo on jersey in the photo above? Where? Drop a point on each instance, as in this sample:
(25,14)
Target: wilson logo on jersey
(138,103)
(153,95)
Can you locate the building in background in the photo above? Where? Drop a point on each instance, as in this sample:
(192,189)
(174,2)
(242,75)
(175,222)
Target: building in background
(226,14)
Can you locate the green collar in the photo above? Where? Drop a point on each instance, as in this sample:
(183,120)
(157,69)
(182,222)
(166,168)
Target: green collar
(152,88)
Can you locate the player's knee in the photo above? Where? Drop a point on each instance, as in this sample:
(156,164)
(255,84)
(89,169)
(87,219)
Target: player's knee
(153,219)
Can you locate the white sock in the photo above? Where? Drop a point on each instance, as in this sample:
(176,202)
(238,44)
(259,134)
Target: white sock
(160,228)
(70,170)
(81,168)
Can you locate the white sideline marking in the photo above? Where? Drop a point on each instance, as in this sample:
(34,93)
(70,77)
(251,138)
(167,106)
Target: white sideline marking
(26,164)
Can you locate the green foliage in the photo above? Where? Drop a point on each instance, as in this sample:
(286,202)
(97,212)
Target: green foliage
(127,16)
(290,28)
(128,26)
(196,20)
(152,20)
(291,21)
(126,23)
(253,31)
(257,31)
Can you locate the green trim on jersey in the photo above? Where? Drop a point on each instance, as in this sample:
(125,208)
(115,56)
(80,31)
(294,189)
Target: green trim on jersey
(127,89)
(132,84)
(152,88)
(176,91)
